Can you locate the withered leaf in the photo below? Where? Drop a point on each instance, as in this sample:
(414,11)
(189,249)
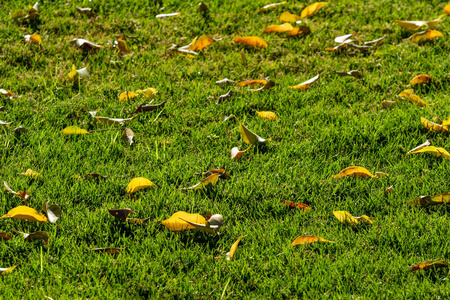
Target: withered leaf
(210,180)
(128,134)
(233,248)
(5,236)
(252,82)
(225,81)
(149,107)
(85,44)
(53,211)
(299,30)
(224,97)
(301,206)
(286,27)
(120,213)
(434,264)
(270,84)
(433,126)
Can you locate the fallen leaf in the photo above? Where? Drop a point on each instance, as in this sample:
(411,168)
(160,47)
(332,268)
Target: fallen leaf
(210,180)
(243,57)
(312,9)
(201,43)
(308,239)
(354,171)
(5,123)
(305,85)
(424,36)
(149,93)
(120,213)
(364,48)
(267,115)
(288,17)
(107,250)
(21,194)
(32,174)
(74,130)
(5,236)
(433,126)
(354,73)
(435,151)
(252,82)
(299,30)
(112,121)
(149,107)
(447,9)
(137,184)
(20,130)
(123,46)
(125,96)
(434,264)
(409,94)
(270,84)
(375,42)
(174,223)
(225,81)
(252,41)
(388,190)
(222,173)
(248,136)
(286,27)
(421,79)
(84,10)
(234,247)
(161,16)
(415,25)
(6,271)
(6,93)
(85,44)
(236,153)
(203,7)
(387,103)
(347,218)
(421,146)
(212,229)
(345,38)
(128,134)
(38,236)
(301,206)
(25,213)
(271,6)
(428,201)
(83,73)
(224,97)
(53,211)
(33,39)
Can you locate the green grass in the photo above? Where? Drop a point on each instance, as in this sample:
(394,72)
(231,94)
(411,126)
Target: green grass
(336,123)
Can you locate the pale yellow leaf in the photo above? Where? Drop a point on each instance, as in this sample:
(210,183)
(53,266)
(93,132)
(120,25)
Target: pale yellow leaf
(345,217)
(32,174)
(234,247)
(128,95)
(6,271)
(149,93)
(435,151)
(433,126)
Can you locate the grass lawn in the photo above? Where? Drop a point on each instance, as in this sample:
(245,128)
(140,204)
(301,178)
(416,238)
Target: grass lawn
(336,123)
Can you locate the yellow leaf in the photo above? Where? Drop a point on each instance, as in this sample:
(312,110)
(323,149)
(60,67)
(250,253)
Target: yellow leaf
(74,130)
(200,43)
(73,72)
(127,95)
(267,115)
(271,6)
(421,79)
(305,85)
(299,30)
(428,201)
(412,97)
(286,27)
(435,151)
(122,45)
(236,154)
(288,17)
(234,247)
(25,213)
(433,126)
(6,271)
(447,9)
(207,227)
(414,25)
(427,143)
(354,171)
(174,223)
(251,82)
(387,103)
(112,121)
(270,84)
(161,16)
(149,93)
(308,239)
(33,39)
(210,180)
(137,184)
(32,174)
(347,218)
(252,41)
(249,137)
(312,9)
(425,35)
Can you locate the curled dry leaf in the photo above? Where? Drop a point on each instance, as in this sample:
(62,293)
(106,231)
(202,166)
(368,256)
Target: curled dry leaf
(288,17)
(267,115)
(305,85)
(270,84)
(201,43)
(286,27)
(21,194)
(363,48)
(109,250)
(225,81)
(20,130)
(33,39)
(409,94)
(84,10)
(415,25)
(376,42)
(308,239)
(271,6)
(299,30)
(435,151)
(123,46)
(301,206)
(312,9)
(252,82)
(355,171)
(252,41)
(6,271)
(345,38)
(149,107)
(32,174)
(208,227)
(178,220)
(85,44)
(53,211)
(236,153)
(120,213)
(83,73)
(74,130)
(424,36)
(128,134)
(137,184)
(421,79)
(428,201)
(222,173)
(5,123)
(434,264)
(25,213)
(210,180)
(38,236)
(247,135)
(224,97)
(388,190)
(5,236)
(387,103)
(234,247)
(347,218)
(421,146)
(162,16)
(112,121)
(6,93)
(433,126)
(354,73)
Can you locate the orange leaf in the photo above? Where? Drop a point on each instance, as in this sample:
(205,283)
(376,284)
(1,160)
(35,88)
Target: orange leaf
(421,79)
(354,172)
(438,263)
(425,35)
(200,43)
(305,85)
(308,239)
(301,206)
(252,41)
(312,9)
(286,27)
(299,30)
(447,9)
(251,82)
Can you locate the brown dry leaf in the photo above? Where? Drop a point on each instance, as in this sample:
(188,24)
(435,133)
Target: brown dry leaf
(375,42)
(20,194)
(424,36)
(174,223)
(428,201)
(270,84)
(299,30)
(252,41)
(137,184)
(435,151)
(434,264)
(236,153)
(312,9)
(305,85)
(162,16)
(234,247)
(268,115)
(201,43)
(288,17)
(415,25)
(414,98)
(252,82)
(32,174)
(33,39)
(5,236)
(120,213)
(128,134)
(388,190)
(286,27)
(354,73)
(203,7)
(224,97)
(301,206)
(387,103)
(85,44)
(433,126)
(271,6)
(308,239)
(421,79)
(210,180)
(38,236)
(347,218)
(107,250)
(149,107)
